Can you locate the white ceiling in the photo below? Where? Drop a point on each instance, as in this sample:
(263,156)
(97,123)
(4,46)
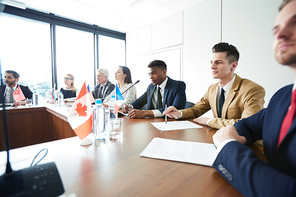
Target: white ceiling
(120,15)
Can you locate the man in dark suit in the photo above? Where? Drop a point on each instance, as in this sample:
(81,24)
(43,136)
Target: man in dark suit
(105,87)
(11,79)
(276,125)
(162,91)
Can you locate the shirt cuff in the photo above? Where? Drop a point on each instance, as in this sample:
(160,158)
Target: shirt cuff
(209,121)
(180,115)
(157,113)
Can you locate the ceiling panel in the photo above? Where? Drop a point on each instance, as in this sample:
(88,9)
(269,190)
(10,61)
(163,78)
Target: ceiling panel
(121,15)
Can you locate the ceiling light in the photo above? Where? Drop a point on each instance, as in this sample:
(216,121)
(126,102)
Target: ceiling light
(14,3)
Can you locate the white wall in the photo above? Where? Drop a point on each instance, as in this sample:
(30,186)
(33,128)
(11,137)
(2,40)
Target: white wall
(184,42)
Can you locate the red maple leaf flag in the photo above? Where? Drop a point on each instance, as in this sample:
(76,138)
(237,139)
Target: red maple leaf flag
(80,116)
(18,95)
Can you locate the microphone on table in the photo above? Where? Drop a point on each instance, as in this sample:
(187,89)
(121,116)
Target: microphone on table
(130,87)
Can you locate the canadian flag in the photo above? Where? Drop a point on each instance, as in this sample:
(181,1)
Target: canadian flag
(18,95)
(80,116)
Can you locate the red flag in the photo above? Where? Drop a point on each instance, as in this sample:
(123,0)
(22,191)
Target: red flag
(80,117)
(18,95)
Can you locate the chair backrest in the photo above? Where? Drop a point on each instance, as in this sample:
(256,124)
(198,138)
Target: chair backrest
(189,104)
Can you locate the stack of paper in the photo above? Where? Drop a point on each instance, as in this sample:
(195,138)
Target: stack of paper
(183,151)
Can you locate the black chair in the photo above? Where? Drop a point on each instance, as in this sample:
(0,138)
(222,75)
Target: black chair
(189,104)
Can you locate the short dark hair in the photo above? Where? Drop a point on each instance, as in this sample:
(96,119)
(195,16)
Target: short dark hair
(231,51)
(15,74)
(159,63)
(126,70)
(285,2)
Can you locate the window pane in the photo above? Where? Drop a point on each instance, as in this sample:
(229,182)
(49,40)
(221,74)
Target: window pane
(75,55)
(111,55)
(25,48)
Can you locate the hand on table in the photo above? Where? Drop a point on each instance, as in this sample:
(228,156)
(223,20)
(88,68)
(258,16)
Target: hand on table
(225,133)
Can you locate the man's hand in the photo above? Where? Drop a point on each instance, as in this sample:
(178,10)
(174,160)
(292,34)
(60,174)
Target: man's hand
(136,113)
(226,133)
(127,108)
(202,120)
(172,112)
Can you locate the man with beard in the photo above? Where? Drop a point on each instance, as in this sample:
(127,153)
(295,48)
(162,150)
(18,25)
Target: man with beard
(11,79)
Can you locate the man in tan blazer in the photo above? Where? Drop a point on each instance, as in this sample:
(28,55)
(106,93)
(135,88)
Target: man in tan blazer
(240,99)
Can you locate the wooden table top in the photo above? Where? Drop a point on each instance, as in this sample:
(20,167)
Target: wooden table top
(115,167)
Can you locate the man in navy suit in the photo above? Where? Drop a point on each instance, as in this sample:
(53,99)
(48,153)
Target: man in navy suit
(162,91)
(11,79)
(276,125)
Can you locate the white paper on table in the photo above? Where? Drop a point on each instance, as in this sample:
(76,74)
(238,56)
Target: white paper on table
(175,125)
(183,151)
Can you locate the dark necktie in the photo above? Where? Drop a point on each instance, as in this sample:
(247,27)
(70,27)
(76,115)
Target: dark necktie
(11,96)
(101,92)
(288,120)
(159,100)
(221,102)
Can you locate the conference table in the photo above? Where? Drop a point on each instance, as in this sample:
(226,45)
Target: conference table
(115,167)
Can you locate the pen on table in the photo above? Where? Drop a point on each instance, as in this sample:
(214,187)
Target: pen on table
(165,116)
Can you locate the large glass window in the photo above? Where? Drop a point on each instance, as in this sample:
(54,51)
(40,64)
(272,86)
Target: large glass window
(111,55)
(75,55)
(25,48)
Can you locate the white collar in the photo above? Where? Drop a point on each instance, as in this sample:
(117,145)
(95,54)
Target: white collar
(163,84)
(228,86)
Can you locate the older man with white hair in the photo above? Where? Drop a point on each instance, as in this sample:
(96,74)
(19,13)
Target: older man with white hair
(104,87)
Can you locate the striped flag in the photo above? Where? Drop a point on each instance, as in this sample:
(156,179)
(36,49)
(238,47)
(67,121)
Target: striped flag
(118,99)
(18,95)
(53,94)
(80,116)
(91,97)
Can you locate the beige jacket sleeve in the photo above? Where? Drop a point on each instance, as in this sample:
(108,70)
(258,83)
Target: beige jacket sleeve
(244,99)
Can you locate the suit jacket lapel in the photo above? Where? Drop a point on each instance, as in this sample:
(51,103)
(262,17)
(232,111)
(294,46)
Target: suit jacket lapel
(231,94)
(214,102)
(151,96)
(166,90)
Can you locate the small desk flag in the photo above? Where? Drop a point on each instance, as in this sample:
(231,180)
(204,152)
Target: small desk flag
(80,116)
(53,94)
(18,95)
(91,97)
(118,100)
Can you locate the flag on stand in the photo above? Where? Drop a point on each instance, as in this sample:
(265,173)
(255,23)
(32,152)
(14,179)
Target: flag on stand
(18,95)
(91,97)
(80,116)
(118,100)
(53,94)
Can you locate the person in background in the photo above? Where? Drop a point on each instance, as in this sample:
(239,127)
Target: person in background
(124,81)
(161,92)
(11,80)
(69,91)
(276,125)
(104,87)
(240,99)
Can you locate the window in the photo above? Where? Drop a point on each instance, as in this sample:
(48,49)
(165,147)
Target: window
(111,55)
(75,55)
(25,48)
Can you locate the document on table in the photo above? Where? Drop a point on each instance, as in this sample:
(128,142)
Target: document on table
(175,125)
(183,151)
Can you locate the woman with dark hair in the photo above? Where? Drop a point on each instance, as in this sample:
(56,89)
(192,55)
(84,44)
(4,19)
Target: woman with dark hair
(124,81)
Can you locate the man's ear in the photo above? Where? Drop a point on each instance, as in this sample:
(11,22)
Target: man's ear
(17,79)
(234,65)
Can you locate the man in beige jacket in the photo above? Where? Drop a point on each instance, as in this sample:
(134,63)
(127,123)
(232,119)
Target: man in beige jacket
(240,98)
